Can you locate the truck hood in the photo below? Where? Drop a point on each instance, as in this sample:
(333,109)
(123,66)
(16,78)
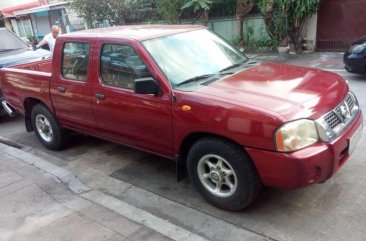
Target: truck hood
(290,91)
(19,56)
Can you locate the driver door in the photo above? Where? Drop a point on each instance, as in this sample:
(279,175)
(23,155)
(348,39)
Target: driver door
(142,121)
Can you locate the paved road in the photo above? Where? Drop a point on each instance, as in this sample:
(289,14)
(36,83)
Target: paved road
(334,210)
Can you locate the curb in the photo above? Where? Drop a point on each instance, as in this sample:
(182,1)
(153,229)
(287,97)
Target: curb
(63,175)
(133,213)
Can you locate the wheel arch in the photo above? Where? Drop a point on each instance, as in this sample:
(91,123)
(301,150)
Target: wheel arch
(243,182)
(188,142)
(29,104)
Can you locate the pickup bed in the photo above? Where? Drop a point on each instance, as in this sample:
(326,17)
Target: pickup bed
(14,51)
(184,93)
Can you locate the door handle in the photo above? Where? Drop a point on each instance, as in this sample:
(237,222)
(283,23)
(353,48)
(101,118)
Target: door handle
(100,96)
(61,89)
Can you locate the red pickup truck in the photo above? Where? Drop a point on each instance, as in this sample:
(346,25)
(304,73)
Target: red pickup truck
(184,93)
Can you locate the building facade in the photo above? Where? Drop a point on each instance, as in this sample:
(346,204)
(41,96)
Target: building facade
(33,19)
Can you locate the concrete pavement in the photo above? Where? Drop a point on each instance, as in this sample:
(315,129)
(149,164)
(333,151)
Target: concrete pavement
(41,201)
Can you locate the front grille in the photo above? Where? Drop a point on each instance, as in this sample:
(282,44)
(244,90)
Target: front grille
(342,113)
(332,119)
(338,119)
(339,113)
(350,101)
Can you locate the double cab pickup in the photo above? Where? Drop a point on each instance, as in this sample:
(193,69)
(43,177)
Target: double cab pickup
(184,93)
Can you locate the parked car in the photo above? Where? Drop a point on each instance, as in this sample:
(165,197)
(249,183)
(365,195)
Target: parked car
(14,50)
(355,57)
(184,93)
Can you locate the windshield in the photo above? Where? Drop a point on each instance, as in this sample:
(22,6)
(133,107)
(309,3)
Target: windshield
(9,41)
(191,54)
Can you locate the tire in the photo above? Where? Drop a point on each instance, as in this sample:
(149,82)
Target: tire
(223,174)
(47,128)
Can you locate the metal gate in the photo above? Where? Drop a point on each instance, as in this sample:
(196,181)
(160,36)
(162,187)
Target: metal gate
(340,22)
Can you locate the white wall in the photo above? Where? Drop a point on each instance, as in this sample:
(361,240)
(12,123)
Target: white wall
(310,30)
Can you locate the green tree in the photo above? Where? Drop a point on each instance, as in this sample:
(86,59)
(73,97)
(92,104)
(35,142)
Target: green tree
(200,6)
(275,20)
(169,10)
(243,8)
(298,12)
(115,12)
(295,11)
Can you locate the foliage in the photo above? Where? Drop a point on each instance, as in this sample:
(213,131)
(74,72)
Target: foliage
(263,40)
(32,39)
(235,41)
(243,8)
(169,10)
(275,19)
(292,13)
(198,5)
(223,8)
(115,12)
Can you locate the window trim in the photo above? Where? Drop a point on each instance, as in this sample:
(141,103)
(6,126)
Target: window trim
(62,62)
(105,83)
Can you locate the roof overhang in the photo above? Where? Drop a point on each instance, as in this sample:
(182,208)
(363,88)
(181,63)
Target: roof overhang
(9,11)
(42,8)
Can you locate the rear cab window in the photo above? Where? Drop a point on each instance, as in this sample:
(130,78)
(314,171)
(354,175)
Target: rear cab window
(120,65)
(75,61)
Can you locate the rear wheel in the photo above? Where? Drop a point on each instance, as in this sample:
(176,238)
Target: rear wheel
(47,129)
(223,173)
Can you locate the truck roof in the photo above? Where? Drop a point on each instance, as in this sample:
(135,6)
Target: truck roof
(138,32)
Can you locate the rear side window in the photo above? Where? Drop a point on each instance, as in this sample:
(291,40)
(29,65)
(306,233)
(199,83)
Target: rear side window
(120,65)
(75,59)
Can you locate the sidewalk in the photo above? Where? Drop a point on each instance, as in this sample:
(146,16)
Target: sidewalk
(41,202)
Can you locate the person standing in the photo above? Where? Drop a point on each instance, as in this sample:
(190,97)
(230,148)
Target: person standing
(50,38)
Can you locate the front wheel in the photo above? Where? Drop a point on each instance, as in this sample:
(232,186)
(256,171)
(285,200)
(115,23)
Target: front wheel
(223,173)
(47,129)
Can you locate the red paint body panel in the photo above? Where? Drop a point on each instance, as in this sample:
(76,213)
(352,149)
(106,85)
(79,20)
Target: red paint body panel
(290,91)
(22,84)
(301,168)
(224,117)
(246,107)
(74,106)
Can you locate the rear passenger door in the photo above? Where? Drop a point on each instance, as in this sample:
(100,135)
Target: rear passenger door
(142,121)
(71,87)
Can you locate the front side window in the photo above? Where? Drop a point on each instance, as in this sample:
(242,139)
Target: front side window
(120,65)
(75,60)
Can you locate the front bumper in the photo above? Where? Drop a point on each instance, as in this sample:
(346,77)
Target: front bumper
(314,164)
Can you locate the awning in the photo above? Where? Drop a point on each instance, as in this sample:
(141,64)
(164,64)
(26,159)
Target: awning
(9,11)
(42,8)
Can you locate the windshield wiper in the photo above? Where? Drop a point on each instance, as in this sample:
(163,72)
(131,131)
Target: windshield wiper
(233,66)
(196,78)
(200,77)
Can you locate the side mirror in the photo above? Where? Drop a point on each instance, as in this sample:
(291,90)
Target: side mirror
(146,86)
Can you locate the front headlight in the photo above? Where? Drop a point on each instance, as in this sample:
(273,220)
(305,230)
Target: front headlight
(296,135)
(357,49)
